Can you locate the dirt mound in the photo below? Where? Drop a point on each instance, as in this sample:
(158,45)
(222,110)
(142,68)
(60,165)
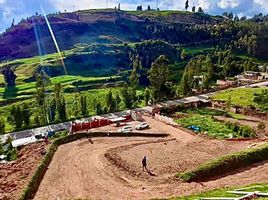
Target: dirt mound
(14,176)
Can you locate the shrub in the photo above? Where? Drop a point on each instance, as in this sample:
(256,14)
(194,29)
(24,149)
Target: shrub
(226,164)
(261,126)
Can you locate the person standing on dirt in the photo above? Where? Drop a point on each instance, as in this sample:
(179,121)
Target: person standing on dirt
(144,163)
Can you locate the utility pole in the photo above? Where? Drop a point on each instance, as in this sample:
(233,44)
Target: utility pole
(157,4)
(107,4)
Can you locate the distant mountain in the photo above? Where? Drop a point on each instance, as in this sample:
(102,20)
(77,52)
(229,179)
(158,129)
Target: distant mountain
(31,36)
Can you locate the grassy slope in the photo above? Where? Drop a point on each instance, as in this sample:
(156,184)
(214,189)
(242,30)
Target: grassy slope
(239,96)
(29,88)
(224,192)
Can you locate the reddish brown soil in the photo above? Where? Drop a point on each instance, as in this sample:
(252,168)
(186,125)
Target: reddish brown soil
(111,167)
(14,176)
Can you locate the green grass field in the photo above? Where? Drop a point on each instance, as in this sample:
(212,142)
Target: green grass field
(200,49)
(27,89)
(224,192)
(239,97)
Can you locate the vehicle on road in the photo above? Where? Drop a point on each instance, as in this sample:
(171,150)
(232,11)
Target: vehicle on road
(142,126)
(125,129)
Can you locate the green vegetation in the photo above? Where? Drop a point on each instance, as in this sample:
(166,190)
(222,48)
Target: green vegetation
(8,150)
(224,192)
(68,83)
(226,164)
(240,96)
(203,119)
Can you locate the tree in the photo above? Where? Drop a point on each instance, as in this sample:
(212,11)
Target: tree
(149,8)
(117,102)
(119,7)
(42,81)
(110,102)
(83,101)
(183,54)
(62,109)
(229,102)
(98,108)
(184,85)
(52,109)
(60,102)
(210,68)
(262,99)
(139,8)
(146,96)
(2,129)
(13,22)
(16,116)
(200,10)
(186,5)
(236,18)
(9,76)
(193,9)
(158,75)
(230,15)
(134,78)
(129,96)
(248,65)
(26,114)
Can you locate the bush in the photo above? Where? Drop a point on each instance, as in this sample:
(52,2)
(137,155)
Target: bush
(12,154)
(261,126)
(226,164)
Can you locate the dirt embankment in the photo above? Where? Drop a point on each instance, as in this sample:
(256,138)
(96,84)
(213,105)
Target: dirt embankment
(14,176)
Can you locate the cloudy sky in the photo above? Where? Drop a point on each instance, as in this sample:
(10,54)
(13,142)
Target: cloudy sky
(17,9)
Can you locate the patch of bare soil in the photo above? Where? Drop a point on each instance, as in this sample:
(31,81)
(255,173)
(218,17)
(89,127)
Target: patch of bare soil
(110,168)
(167,158)
(14,176)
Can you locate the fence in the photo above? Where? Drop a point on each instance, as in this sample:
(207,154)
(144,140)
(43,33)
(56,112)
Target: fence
(165,119)
(76,127)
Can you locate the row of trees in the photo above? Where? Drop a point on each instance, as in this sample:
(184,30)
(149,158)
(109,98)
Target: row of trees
(201,71)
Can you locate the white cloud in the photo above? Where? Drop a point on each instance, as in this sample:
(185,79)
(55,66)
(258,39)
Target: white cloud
(225,4)
(206,5)
(263,4)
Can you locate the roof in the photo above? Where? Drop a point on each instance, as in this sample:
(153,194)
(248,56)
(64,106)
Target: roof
(119,119)
(23,142)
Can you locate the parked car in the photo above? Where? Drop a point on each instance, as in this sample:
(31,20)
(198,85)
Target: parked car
(142,125)
(125,129)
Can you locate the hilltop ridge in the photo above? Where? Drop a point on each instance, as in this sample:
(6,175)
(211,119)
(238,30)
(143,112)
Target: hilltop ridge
(106,26)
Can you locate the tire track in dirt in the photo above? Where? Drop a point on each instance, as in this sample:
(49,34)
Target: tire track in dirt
(81,170)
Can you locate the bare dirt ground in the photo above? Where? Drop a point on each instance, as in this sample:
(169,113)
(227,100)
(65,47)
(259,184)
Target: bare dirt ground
(14,176)
(82,170)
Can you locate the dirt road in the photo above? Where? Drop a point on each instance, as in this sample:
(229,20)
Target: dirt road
(81,170)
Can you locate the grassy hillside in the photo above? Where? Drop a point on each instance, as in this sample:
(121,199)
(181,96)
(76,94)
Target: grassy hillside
(239,97)
(106,26)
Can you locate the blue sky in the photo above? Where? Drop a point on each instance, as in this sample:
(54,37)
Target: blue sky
(18,9)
